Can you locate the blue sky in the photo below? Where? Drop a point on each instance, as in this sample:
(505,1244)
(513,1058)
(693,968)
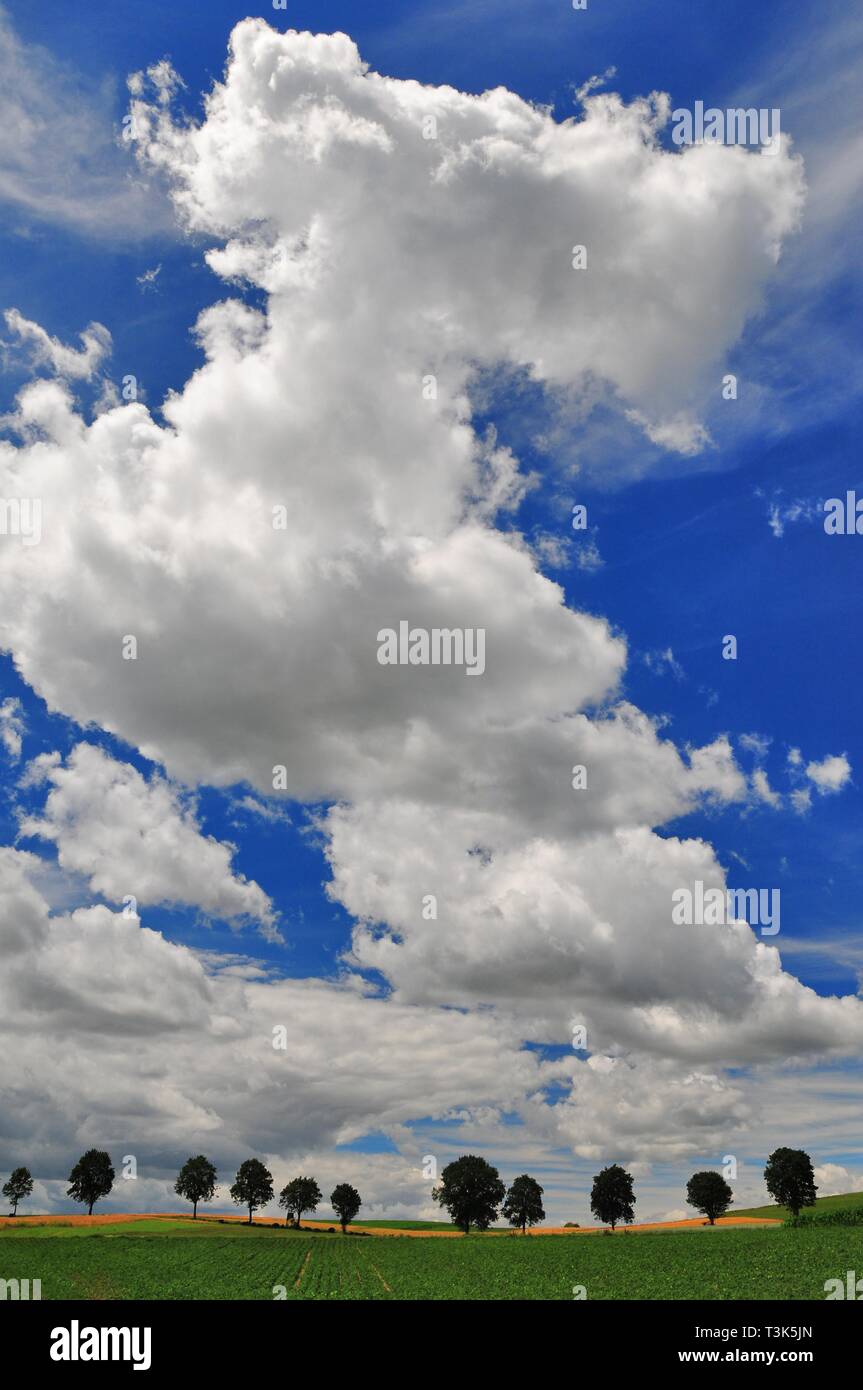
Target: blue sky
(687,548)
(711,529)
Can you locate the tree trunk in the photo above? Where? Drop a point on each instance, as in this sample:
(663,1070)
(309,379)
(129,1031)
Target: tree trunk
(344,1228)
(15,1207)
(250,1213)
(90,1212)
(299,1214)
(195,1210)
(523,1224)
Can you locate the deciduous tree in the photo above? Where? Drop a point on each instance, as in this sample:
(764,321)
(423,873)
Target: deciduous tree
(790,1179)
(297,1196)
(91,1178)
(254,1185)
(523,1204)
(708,1192)
(345,1202)
(471,1191)
(196,1182)
(19,1186)
(612,1198)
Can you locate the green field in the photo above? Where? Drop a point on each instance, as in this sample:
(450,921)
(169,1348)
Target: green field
(847,1199)
(413,1225)
(167,1260)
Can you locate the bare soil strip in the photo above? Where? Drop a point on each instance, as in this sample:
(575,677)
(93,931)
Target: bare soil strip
(113,1218)
(687,1224)
(299,1277)
(381,1277)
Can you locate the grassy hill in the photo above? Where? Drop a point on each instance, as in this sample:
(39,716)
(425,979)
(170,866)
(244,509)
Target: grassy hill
(845,1199)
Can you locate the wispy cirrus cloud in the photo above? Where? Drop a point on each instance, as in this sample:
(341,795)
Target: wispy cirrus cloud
(61,159)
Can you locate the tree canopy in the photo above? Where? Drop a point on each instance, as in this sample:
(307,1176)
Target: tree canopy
(253,1187)
(471,1191)
(709,1193)
(345,1202)
(612,1198)
(523,1203)
(790,1179)
(297,1196)
(19,1186)
(196,1182)
(91,1178)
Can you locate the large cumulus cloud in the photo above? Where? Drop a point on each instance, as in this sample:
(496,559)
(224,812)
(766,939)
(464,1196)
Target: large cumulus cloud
(386,258)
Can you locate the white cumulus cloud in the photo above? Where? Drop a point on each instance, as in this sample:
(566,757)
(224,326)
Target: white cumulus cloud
(131,837)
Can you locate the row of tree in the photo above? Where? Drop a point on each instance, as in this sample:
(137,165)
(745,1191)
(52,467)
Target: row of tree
(470,1189)
(93,1178)
(788,1177)
(473,1194)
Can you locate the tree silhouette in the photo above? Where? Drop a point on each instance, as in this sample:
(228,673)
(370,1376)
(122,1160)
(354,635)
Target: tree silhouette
(297,1196)
(709,1193)
(254,1185)
(790,1179)
(91,1178)
(471,1191)
(345,1202)
(19,1186)
(196,1182)
(612,1198)
(523,1204)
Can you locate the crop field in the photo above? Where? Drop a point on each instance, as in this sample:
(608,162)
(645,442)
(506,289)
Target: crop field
(175,1262)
